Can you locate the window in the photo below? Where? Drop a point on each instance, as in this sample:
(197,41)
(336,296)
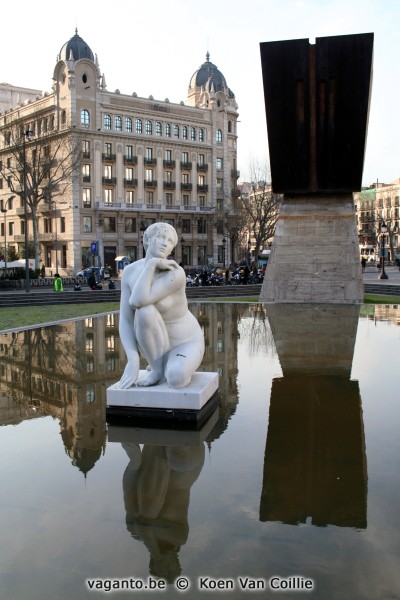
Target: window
(149,174)
(86,173)
(129,152)
(169,199)
(184,132)
(220,163)
(108,171)
(129,197)
(220,184)
(185,199)
(118,123)
(108,149)
(201,135)
(202,201)
(193,134)
(218,136)
(109,224)
(107,122)
(168,176)
(220,205)
(168,155)
(168,130)
(129,173)
(139,126)
(62,224)
(85,118)
(201,180)
(185,157)
(87,198)
(185,225)
(201,160)
(149,197)
(130,225)
(63,118)
(47,226)
(131,252)
(128,124)
(201,226)
(149,153)
(108,196)
(185,178)
(158,129)
(11,228)
(86,148)
(87,224)
(176,131)
(149,127)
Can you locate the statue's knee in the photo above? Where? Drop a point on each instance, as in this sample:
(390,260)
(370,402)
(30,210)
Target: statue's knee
(176,376)
(146,315)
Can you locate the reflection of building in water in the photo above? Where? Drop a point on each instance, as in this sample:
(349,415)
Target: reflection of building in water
(63,371)
(220,326)
(315,462)
(387,312)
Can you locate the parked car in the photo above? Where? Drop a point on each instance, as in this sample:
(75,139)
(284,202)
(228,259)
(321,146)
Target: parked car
(101,273)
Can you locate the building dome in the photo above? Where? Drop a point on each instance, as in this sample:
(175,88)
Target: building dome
(75,49)
(209,77)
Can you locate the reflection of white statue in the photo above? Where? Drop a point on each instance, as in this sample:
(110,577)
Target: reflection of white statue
(155,318)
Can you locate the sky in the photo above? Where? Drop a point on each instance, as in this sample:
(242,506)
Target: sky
(153,48)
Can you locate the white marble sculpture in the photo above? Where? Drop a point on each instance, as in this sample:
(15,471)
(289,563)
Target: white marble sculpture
(154,316)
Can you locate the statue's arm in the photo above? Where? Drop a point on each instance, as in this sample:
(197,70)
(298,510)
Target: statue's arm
(148,290)
(127,335)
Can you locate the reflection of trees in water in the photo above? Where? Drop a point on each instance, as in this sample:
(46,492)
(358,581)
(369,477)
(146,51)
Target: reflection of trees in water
(255,329)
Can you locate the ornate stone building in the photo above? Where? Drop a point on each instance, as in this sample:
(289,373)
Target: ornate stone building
(143,160)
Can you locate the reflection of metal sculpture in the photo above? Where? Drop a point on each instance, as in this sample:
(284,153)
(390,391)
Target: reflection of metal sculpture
(155,318)
(315,462)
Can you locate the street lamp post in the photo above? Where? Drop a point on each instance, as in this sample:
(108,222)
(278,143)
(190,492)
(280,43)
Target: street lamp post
(223,251)
(4,211)
(383,228)
(27,134)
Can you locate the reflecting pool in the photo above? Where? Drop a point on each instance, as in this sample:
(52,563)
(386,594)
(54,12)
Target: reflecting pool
(294,479)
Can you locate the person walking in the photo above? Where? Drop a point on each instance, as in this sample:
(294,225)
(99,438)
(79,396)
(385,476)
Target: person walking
(58,284)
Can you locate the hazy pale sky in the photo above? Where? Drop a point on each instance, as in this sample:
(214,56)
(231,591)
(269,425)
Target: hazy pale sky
(155,47)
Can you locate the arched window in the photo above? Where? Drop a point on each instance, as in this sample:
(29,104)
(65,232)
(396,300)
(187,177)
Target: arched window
(218,136)
(201,134)
(118,123)
(85,118)
(184,132)
(168,130)
(139,126)
(158,129)
(149,127)
(176,131)
(107,122)
(128,124)
(193,134)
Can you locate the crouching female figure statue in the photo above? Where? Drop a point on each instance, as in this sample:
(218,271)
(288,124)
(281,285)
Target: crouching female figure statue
(154,316)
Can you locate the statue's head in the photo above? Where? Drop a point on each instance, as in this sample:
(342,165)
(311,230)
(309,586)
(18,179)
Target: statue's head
(155,229)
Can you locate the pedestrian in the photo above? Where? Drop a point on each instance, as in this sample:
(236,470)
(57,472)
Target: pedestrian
(58,284)
(363,263)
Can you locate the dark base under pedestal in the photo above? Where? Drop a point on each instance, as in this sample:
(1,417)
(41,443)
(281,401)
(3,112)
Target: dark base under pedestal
(173,418)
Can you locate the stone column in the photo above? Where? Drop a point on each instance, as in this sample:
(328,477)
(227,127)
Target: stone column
(315,256)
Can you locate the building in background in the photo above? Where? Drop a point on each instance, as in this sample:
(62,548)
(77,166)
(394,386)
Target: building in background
(142,160)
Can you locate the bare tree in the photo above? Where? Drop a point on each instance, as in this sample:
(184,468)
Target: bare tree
(260,206)
(46,164)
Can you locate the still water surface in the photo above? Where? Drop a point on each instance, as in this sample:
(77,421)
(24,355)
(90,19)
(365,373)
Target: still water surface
(297,474)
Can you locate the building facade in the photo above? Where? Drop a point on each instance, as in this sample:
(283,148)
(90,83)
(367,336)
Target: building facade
(377,204)
(142,161)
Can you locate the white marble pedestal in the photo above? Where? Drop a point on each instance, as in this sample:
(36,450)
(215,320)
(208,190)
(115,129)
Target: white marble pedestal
(184,407)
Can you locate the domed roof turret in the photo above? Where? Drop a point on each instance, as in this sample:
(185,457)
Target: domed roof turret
(209,77)
(75,49)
